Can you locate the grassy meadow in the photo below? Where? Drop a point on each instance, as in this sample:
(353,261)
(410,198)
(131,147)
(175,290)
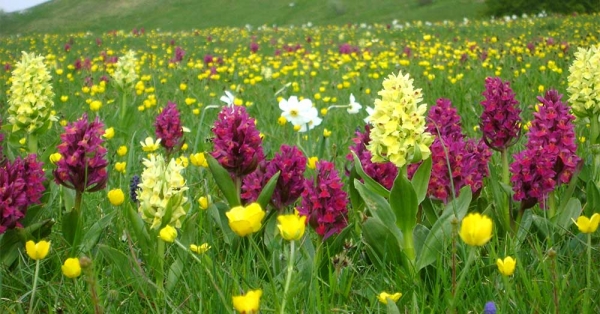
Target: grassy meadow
(130,266)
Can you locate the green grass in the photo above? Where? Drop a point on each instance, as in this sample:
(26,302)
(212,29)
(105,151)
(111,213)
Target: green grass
(172,15)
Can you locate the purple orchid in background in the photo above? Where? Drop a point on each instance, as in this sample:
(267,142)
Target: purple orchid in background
(500,120)
(168,128)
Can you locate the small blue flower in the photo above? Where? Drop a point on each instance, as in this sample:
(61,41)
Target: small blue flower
(490,308)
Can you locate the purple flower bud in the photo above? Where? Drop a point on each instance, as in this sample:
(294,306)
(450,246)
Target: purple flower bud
(324,201)
(237,142)
(83,166)
(500,121)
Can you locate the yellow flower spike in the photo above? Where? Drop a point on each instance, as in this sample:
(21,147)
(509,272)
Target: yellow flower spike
(54,158)
(312,162)
(204,202)
(476,229)
(588,225)
(168,234)
(248,303)
(71,268)
(199,160)
(200,249)
(116,197)
(291,227)
(506,266)
(245,220)
(109,133)
(121,166)
(37,251)
(122,150)
(383,297)
(281,121)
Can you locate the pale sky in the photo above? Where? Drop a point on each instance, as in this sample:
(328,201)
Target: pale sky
(16,5)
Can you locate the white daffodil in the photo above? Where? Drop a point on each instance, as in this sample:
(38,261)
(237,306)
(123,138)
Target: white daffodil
(312,118)
(299,113)
(354,107)
(228,98)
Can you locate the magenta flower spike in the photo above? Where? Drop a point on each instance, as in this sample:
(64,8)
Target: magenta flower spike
(237,142)
(83,166)
(21,185)
(324,201)
(500,120)
(549,158)
(168,128)
(291,163)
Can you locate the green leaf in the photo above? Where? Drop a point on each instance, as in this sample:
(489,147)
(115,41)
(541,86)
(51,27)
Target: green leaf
(420,180)
(524,227)
(119,261)
(10,242)
(71,228)
(564,219)
(420,234)
(404,204)
(392,308)
(440,234)
(217,212)
(368,181)
(175,272)
(265,195)
(139,228)
(378,207)
(382,241)
(93,234)
(224,181)
(593,198)
(68,196)
(355,199)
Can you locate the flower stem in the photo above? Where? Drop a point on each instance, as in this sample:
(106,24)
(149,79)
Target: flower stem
(267,265)
(409,248)
(35,279)
(586,296)
(288,280)
(160,271)
(463,275)
(32,144)
(123,105)
(506,180)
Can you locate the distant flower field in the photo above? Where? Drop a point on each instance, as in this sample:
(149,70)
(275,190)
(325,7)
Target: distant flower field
(409,167)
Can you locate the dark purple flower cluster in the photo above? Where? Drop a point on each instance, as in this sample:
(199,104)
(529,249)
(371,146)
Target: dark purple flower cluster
(500,121)
(82,166)
(549,158)
(346,49)
(291,163)
(456,161)
(384,173)
(21,185)
(168,128)
(324,201)
(133,187)
(237,142)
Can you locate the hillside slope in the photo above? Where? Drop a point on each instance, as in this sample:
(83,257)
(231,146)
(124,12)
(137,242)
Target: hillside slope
(59,16)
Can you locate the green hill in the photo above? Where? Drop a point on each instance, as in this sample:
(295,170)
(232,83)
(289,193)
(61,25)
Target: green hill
(59,16)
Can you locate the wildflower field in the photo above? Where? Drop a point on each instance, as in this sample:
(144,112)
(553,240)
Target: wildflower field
(448,167)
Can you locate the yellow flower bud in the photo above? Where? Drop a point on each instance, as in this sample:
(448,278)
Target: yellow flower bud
(200,249)
(199,160)
(122,150)
(312,162)
(120,167)
(506,266)
(116,197)
(245,220)
(109,133)
(204,202)
(168,234)
(71,268)
(476,229)
(326,133)
(291,227)
(248,303)
(54,158)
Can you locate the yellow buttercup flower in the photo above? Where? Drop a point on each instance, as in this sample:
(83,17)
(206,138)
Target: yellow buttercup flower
(54,158)
(121,166)
(384,297)
(245,220)
(199,160)
(506,266)
(168,234)
(71,268)
(122,150)
(476,229)
(116,197)
(95,105)
(200,249)
(312,162)
(109,133)
(291,227)
(326,133)
(204,202)
(281,120)
(588,225)
(37,251)
(248,303)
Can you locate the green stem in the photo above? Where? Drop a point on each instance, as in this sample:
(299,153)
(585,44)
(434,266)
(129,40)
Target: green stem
(78,201)
(409,248)
(506,180)
(123,105)
(32,143)
(288,280)
(210,276)
(160,272)
(586,296)
(35,280)
(551,205)
(267,266)
(463,275)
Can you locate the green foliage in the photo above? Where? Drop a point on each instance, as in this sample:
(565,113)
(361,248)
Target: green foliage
(509,7)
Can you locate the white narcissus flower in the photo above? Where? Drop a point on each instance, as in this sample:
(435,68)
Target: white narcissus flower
(228,98)
(370,111)
(354,107)
(299,113)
